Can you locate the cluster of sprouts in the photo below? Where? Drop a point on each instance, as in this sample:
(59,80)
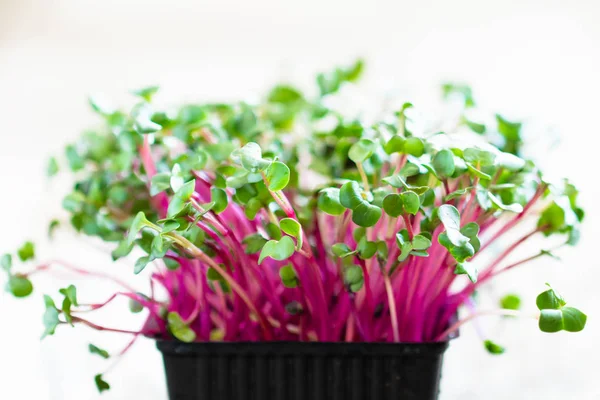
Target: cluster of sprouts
(262,222)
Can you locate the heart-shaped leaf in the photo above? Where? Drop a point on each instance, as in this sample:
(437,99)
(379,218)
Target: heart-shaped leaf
(366,214)
(450,217)
(443,163)
(278,176)
(360,151)
(292,228)
(277,249)
(250,157)
(180,329)
(329,201)
(288,276)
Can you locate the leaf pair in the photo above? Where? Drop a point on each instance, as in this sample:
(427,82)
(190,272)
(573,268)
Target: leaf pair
(363,212)
(404,203)
(555,316)
(462,243)
(418,246)
(251,159)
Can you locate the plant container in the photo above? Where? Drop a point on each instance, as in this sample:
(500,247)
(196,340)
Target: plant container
(302,371)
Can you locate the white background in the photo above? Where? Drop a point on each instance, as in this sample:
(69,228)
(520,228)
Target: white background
(533,59)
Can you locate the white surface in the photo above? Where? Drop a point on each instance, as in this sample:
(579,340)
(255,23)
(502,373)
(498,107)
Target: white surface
(537,59)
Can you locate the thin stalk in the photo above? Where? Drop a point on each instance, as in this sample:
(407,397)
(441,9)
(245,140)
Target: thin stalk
(363,177)
(103,328)
(194,251)
(392,306)
(501,312)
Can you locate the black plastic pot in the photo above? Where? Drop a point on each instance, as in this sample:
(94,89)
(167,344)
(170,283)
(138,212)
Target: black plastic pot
(302,371)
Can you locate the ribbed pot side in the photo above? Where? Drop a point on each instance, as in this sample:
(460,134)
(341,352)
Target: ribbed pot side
(302,371)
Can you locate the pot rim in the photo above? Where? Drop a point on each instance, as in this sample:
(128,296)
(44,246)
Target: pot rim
(175,347)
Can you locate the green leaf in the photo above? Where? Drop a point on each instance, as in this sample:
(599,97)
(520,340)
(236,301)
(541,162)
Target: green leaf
(393,205)
(6,262)
(76,162)
(449,89)
(419,253)
(292,228)
(26,252)
(351,195)
(254,243)
(273,231)
(358,234)
(284,94)
(395,145)
(250,157)
(404,244)
(398,182)
(443,163)
(277,249)
(179,329)
(342,250)
(475,127)
(467,269)
(50,318)
(214,276)
(460,253)
(354,278)
(288,276)
(477,173)
(549,300)
(420,242)
(97,350)
(457,194)
(366,214)
(471,230)
(573,319)
(54,224)
(19,286)
(141,264)
(551,321)
(143,123)
(219,197)
(278,176)
(414,146)
(70,293)
(410,202)
(52,167)
(366,249)
(135,306)
(360,151)
(122,250)
(510,302)
(511,131)
(101,106)
(181,199)
(160,183)
(515,207)
(493,348)
(450,217)
(146,93)
(139,222)
(70,299)
(329,201)
(74,202)
(176,179)
(101,385)
(510,161)
(479,157)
